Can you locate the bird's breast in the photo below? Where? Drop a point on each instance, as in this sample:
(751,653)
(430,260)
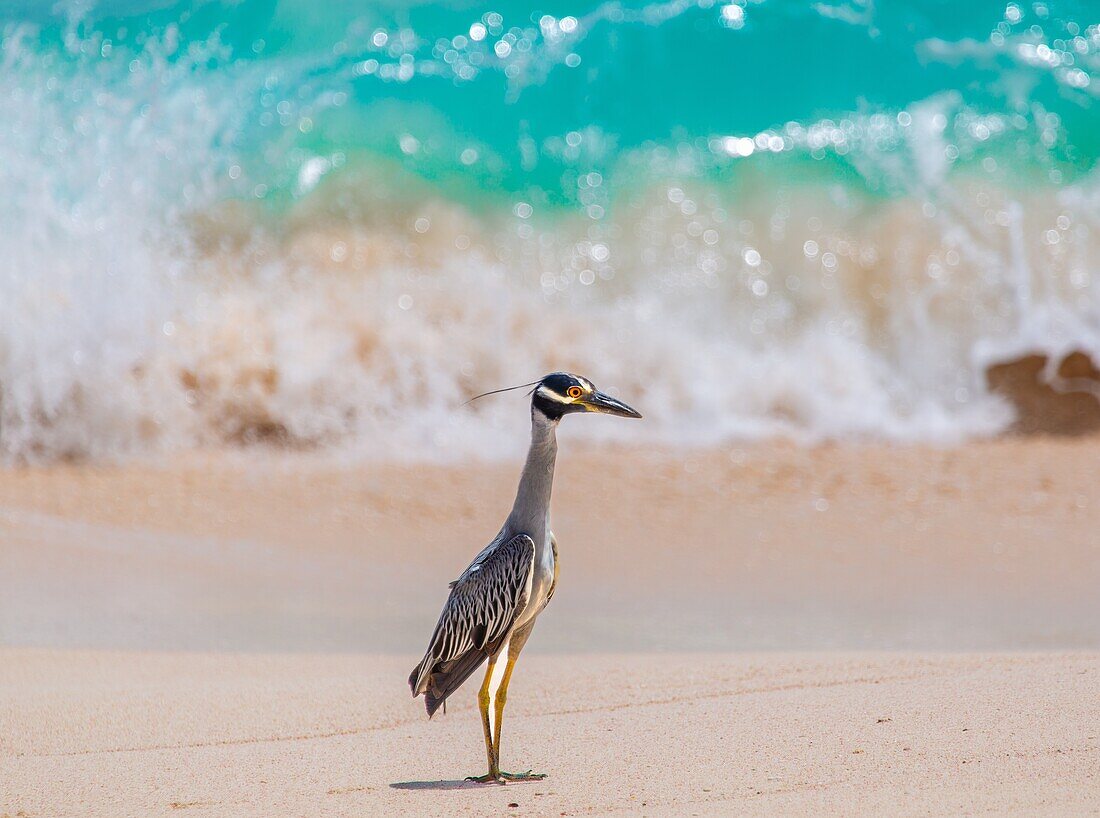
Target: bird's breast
(542,578)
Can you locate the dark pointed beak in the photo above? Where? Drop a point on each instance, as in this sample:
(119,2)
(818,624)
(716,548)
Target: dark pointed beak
(607,405)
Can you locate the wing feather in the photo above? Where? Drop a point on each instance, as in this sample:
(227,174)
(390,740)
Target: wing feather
(478,615)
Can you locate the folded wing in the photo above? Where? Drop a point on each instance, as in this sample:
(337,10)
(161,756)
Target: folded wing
(478,616)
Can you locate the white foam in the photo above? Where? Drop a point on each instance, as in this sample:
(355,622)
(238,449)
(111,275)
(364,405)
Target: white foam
(704,310)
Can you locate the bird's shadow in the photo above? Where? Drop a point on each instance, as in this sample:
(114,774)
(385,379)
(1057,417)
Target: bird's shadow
(437,785)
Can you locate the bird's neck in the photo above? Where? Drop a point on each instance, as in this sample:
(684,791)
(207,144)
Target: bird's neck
(532,507)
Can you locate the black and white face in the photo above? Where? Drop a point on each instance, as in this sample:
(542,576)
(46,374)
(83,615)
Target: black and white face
(561,393)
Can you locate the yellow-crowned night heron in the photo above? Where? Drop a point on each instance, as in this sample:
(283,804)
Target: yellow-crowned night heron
(493,605)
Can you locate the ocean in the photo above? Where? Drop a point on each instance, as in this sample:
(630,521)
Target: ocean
(326,225)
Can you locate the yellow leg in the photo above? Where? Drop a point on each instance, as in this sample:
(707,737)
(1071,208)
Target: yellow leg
(483,700)
(501,697)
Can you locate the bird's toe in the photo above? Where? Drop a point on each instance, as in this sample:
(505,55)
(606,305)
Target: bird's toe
(488,778)
(527,776)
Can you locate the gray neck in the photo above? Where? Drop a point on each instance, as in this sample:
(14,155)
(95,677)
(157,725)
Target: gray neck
(532,507)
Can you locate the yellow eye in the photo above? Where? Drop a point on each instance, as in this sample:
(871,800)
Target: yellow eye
(575,392)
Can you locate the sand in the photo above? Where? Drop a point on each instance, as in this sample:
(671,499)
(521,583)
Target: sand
(106,733)
(751,630)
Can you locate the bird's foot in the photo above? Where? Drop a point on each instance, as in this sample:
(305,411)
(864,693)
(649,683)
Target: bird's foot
(501,777)
(488,778)
(527,776)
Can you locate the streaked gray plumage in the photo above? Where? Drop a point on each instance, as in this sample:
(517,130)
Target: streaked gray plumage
(493,605)
(479,614)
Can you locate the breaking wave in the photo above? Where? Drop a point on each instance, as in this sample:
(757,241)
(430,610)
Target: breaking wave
(224,226)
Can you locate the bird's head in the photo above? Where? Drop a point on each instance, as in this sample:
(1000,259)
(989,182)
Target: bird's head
(561,393)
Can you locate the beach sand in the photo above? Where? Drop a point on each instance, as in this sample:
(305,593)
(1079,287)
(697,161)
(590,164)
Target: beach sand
(119,734)
(748,630)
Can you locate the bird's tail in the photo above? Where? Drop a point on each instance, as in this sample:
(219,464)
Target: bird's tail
(441,680)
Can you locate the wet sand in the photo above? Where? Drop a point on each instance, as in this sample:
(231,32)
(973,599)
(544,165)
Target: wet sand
(230,634)
(990,546)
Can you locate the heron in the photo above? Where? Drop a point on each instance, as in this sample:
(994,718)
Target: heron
(493,605)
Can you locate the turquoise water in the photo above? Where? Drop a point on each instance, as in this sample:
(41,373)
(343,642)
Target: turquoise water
(326,222)
(353,79)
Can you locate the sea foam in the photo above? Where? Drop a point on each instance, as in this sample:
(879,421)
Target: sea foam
(185,262)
